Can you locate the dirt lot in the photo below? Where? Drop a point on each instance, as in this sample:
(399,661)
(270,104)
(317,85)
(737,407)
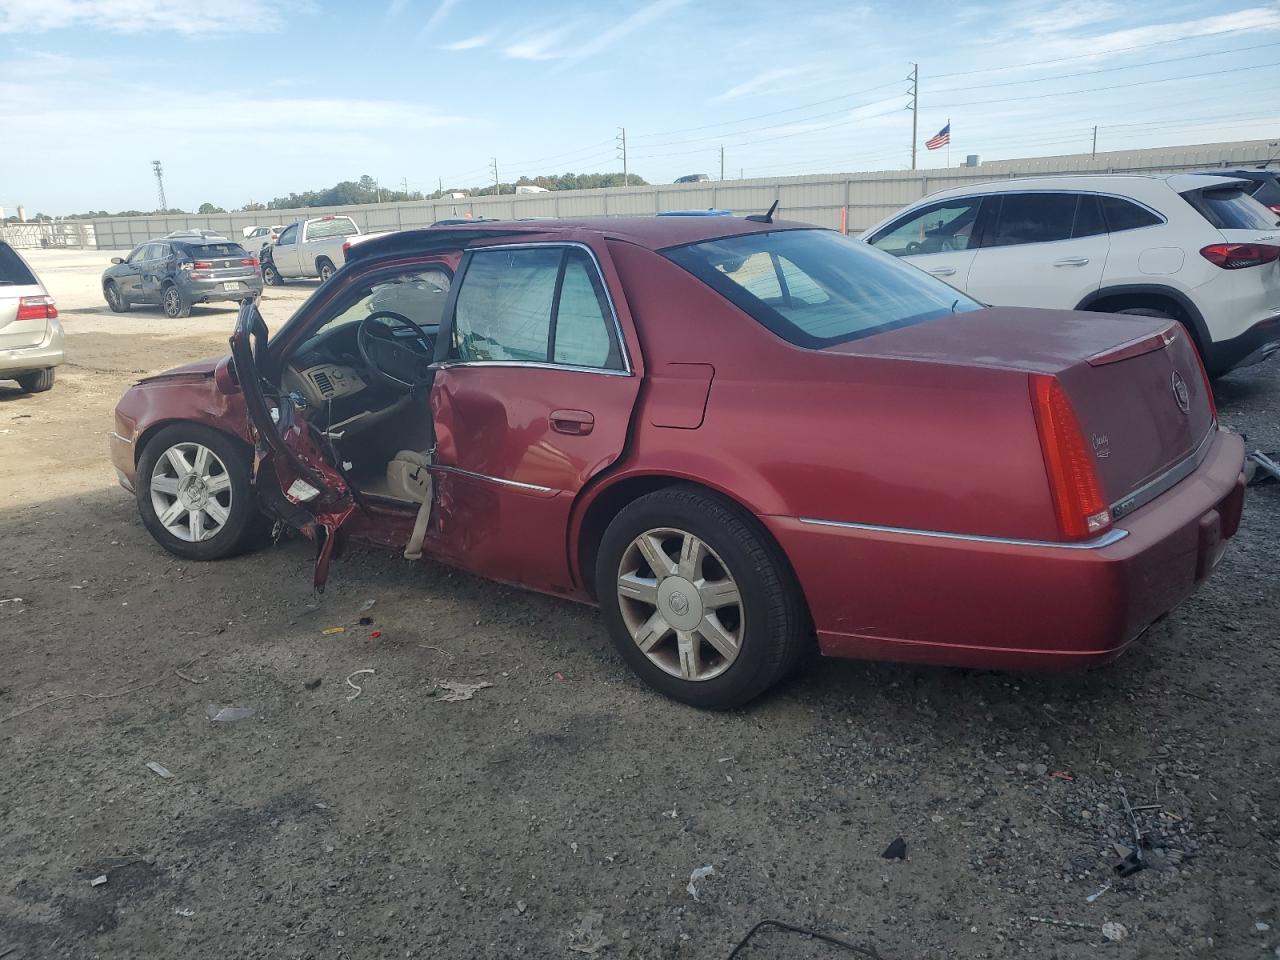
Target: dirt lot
(559,812)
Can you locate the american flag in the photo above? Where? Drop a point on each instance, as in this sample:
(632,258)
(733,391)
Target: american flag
(941,139)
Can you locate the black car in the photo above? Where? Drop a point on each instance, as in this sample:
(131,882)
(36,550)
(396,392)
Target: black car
(1266,184)
(178,273)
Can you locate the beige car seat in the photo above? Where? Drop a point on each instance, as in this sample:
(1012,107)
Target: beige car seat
(409,479)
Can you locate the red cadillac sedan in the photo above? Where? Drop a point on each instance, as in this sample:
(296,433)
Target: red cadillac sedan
(738,437)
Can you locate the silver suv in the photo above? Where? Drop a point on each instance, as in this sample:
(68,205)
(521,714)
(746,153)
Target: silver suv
(30,334)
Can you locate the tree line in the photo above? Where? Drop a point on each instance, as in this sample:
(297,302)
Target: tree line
(368,190)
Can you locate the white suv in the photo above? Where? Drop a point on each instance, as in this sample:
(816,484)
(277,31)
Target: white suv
(1194,248)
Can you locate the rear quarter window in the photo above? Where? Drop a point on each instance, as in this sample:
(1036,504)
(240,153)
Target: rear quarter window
(13,271)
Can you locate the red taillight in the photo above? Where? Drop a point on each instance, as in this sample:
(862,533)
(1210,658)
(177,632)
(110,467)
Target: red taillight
(249,262)
(346,248)
(1233,256)
(1274,207)
(37,308)
(201,265)
(1068,461)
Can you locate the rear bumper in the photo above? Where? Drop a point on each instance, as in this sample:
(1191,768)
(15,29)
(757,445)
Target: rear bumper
(15,361)
(1015,605)
(1253,346)
(207,291)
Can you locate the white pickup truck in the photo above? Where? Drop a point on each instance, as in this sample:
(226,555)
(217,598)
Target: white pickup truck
(310,248)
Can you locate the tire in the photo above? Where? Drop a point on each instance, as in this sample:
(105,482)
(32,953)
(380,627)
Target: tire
(325,268)
(115,299)
(37,382)
(218,533)
(174,302)
(271,276)
(764,621)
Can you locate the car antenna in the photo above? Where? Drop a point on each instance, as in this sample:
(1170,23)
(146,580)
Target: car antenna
(764,217)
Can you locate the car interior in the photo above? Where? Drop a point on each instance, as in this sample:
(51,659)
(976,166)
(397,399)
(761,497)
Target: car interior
(364,377)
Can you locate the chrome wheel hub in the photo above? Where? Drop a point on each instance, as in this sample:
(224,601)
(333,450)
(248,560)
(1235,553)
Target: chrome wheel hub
(681,604)
(191,492)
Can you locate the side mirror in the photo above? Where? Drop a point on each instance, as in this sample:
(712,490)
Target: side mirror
(117,259)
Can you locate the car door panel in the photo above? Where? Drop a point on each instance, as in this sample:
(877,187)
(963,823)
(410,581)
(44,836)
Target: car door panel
(1040,249)
(130,278)
(285,252)
(155,271)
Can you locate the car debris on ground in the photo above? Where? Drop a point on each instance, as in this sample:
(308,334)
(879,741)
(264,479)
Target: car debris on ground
(696,877)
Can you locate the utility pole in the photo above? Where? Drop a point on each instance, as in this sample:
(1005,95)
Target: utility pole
(493,167)
(404,182)
(621,138)
(914,107)
(1094,151)
(442,186)
(722,161)
(159,171)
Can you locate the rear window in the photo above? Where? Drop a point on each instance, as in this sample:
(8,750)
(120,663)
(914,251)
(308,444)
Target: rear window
(337,227)
(1230,208)
(13,272)
(815,288)
(211,251)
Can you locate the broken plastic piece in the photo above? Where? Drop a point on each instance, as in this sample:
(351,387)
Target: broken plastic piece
(160,771)
(457,690)
(896,850)
(300,491)
(218,714)
(98,880)
(330,631)
(701,873)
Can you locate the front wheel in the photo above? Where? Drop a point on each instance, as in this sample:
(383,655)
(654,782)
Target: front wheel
(325,268)
(271,276)
(194,493)
(115,299)
(698,600)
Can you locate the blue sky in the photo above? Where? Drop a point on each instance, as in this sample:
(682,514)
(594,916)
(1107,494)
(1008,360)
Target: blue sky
(249,99)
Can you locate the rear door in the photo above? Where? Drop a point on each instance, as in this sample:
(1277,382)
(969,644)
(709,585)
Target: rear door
(1040,249)
(155,269)
(532,397)
(938,238)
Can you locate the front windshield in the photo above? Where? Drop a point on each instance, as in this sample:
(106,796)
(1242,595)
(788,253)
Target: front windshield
(816,288)
(419,295)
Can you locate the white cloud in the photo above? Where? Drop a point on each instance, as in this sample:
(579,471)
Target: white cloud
(138,16)
(646,14)
(469,43)
(538,46)
(437,17)
(764,81)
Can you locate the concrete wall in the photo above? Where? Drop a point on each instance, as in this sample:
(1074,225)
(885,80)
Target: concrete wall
(818,199)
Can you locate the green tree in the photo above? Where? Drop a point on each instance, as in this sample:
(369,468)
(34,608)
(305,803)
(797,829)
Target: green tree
(210,208)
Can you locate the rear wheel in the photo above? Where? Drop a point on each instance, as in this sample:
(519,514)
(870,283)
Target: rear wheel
(194,494)
(115,299)
(37,382)
(325,268)
(176,304)
(698,600)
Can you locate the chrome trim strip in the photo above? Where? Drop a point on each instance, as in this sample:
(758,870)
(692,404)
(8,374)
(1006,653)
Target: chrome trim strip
(608,295)
(532,364)
(1167,480)
(531,487)
(122,439)
(1114,535)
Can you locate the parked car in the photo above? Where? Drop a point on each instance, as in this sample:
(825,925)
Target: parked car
(30,334)
(311,248)
(1265,184)
(178,273)
(692,178)
(1191,248)
(255,238)
(737,437)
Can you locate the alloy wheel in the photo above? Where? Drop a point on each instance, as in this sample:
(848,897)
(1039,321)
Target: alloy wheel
(191,492)
(172,301)
(326,272)
(681,604)
(113,295)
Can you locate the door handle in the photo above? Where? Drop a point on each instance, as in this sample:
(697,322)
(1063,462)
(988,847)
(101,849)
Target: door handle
(1071,262)
(943,271)
(576,423)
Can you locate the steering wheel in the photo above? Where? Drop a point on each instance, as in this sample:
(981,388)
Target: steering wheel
(913,246)
(392,364)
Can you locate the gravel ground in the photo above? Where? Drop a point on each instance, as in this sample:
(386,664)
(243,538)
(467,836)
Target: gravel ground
(560,811)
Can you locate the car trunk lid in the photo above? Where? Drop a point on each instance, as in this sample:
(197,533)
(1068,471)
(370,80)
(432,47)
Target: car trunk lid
(1134,383)
(17,333)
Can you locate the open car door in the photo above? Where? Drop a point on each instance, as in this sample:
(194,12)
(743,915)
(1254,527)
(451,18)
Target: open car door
(295,480)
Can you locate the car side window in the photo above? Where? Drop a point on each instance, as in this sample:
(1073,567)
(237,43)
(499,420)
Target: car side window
(1033,218)
(136,253)
(1124,215)
(288,236)
(503,311)
(939,228)
(1089,222)
(583,336)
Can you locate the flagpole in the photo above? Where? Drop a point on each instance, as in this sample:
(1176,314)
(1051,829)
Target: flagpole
(948,143)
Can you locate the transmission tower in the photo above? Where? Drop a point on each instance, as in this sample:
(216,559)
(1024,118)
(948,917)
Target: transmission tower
(155,165)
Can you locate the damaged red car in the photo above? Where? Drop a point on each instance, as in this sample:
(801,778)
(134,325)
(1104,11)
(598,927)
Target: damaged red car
(740,438)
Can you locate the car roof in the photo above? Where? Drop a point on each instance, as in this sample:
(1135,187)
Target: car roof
(654,233)
(1100,182)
